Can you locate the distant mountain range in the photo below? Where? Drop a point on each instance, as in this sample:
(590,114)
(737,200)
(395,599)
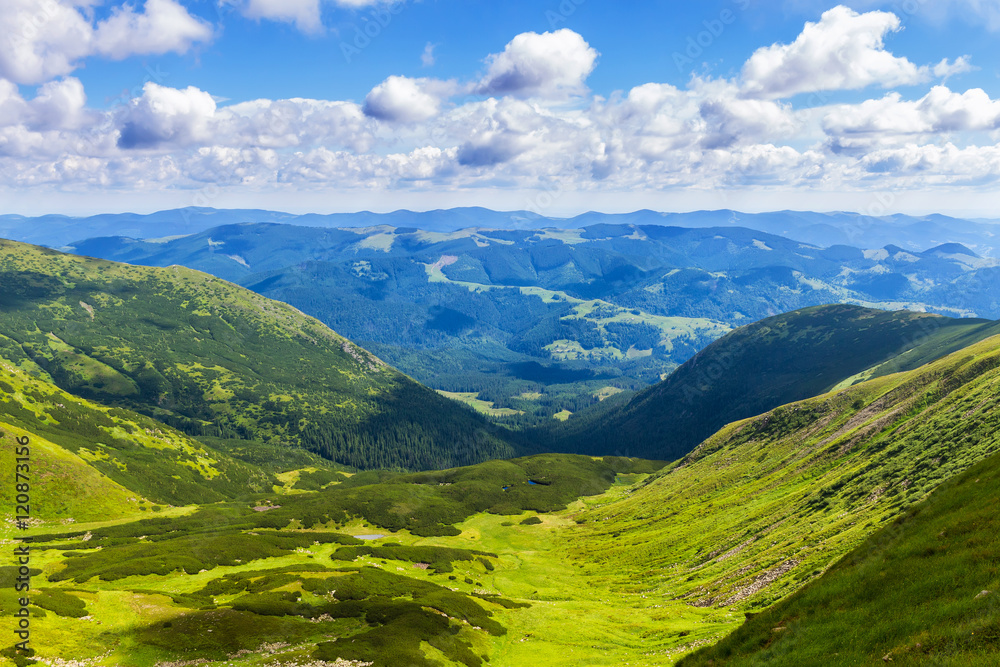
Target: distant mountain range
(821,229)
(530,324)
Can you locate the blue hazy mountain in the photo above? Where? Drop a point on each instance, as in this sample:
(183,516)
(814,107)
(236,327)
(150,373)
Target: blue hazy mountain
(822,229)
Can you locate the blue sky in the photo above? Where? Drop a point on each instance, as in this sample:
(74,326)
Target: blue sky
(583,104)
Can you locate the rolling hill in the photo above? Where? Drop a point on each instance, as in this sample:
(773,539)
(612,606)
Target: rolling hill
(763,365)
(215,360)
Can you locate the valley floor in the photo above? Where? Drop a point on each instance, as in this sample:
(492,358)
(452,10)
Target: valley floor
(580,613)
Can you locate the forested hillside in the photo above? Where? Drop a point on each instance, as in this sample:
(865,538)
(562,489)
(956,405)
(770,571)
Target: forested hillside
(213,359)
(760,366)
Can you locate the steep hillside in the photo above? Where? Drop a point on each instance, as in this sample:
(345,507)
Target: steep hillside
(213,359)
(923,590)
(768,504)
(761,366)
(88,459)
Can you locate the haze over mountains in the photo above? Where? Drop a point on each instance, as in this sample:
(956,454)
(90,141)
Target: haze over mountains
(824,229)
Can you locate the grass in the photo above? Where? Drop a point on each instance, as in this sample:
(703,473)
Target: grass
(606,392)
(471,398)
(912,593)
(492,590)
(641,570)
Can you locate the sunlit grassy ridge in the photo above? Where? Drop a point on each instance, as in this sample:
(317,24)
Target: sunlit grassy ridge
(923,590)
(91,461)
(625,575)
(214,359)
(769,503)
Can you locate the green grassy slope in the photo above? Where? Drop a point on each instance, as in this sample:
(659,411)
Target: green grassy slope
(90,459)
(213,359)
(921,591)
(761,366)
(769,503)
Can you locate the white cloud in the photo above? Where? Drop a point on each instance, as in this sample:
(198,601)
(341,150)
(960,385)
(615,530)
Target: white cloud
(59,105)
(163,27)
(13,108)
(551,65)
(293,123)
(413,133)
(167,116)
(932,164)
(939,111)
(730,121)
(43,40)
(844,50)
(40,41)
(402,99)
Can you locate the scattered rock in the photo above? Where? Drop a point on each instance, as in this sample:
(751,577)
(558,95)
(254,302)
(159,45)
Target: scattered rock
(982,594)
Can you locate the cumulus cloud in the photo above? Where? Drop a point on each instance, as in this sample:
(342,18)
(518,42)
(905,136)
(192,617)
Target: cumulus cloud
(935,164)
(164,26)
(12,106)
(940,110)
(730,121)
(40,41)
(402,99)
(713,133)
(551,65)
(167,116)
(844,50)
(293,123)
(59,105)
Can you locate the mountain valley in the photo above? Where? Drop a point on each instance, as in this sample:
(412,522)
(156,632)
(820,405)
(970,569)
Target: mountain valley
(200,499)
